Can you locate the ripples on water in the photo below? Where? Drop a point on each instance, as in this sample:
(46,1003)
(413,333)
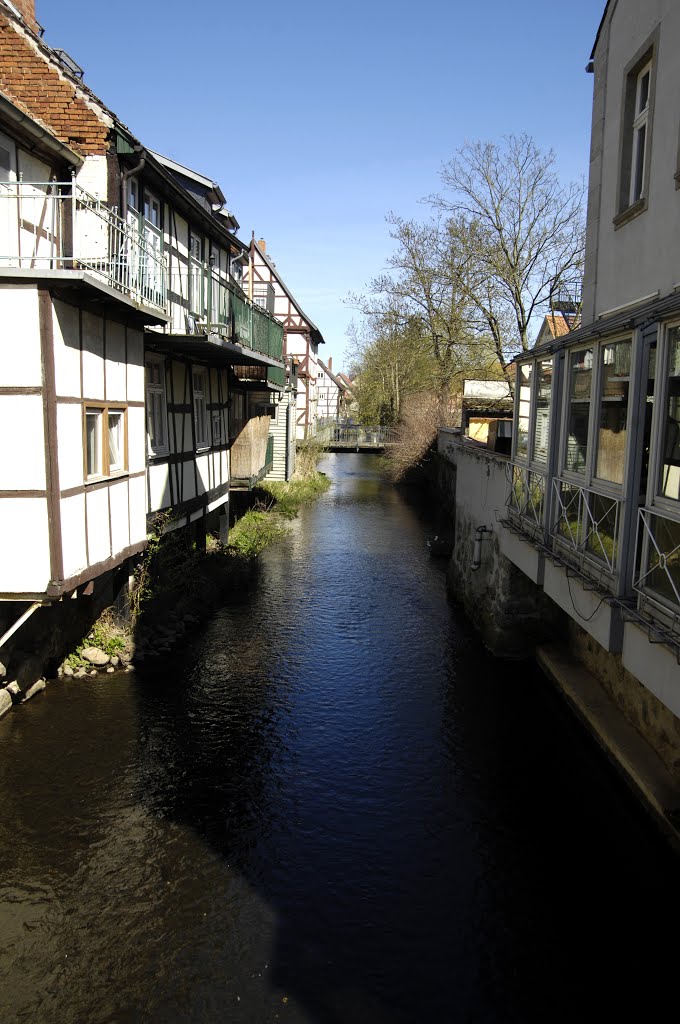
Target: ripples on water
(332,806)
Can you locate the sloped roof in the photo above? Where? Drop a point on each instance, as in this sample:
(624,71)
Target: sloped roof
(274,269)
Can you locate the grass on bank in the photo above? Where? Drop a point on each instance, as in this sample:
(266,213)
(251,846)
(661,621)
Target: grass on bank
(278,502)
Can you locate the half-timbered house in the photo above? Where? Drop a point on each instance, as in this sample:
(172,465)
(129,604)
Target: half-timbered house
(301,339)
(126,333)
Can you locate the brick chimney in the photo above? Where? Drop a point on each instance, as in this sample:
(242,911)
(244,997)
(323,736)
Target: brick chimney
(262,245)
(330,363)
(26,9)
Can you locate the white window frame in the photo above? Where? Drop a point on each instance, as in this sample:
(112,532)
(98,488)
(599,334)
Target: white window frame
(156,388)
(640,134)
(199,388)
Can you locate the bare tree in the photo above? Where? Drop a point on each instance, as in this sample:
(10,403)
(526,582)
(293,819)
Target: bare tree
(521,229)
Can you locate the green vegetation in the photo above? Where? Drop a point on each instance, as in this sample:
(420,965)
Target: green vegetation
(109,637)
(277,503)
(255,531)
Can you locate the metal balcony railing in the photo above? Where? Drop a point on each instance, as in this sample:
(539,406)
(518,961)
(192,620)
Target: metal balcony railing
(210,303)
(586,525)
(658,574)
(526,499)
(59,226)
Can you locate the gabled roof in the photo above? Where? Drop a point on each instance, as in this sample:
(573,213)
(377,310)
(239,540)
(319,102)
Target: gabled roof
(334,377)
(319,339)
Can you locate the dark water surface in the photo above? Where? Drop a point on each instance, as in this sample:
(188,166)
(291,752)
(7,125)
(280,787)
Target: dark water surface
(332,806)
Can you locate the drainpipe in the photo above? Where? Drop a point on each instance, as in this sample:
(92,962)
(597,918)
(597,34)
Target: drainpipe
(20,621)
(127,175)
(477,549)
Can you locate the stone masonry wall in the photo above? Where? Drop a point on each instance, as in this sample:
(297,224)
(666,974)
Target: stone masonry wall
(509,611)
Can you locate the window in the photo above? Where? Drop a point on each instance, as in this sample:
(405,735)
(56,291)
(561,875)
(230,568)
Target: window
(670,453)
(640,119)
(524,373)
(578,411)
(105,441)
(544,375)
(613,411)
(636,132)
(200,409)
(195,273)
(156,411)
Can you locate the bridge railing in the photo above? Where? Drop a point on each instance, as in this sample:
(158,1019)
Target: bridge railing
(363,435)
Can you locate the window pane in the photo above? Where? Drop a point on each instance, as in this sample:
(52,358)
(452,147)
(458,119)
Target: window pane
(524,407)
(543,402)
(614,390)
(115,440)
(639,165)
(581,367)
(670,476)
(92,420)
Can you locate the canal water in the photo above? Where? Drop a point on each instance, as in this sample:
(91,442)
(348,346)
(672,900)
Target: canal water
(331,806)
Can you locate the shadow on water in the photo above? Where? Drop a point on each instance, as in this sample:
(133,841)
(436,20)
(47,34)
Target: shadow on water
(334,806)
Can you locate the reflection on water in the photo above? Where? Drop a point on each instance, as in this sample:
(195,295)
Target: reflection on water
(333,807)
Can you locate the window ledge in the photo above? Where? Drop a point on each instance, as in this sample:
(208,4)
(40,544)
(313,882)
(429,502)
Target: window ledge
(101,479)
(632,211)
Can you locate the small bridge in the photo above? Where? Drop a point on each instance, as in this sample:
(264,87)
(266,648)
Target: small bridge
(358,439)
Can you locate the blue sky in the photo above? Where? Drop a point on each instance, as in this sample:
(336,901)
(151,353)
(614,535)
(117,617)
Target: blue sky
(317,120)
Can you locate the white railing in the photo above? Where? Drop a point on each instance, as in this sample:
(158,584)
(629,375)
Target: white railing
(586,524)
(59,226)
(526,498)
(658,574)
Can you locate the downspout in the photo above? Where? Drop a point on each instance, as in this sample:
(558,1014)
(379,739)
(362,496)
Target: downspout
(127,175)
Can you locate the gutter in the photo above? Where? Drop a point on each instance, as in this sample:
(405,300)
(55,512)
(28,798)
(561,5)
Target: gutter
(40,134)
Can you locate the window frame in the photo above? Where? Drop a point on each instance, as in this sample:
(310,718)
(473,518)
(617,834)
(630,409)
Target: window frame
(104,470)
(655,497)
(200,396)
(630,204)
(159,388)
(588,478)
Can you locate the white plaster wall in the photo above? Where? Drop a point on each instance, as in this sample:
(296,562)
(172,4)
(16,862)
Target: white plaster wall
(644,254)
(20,359)
(93,177)
(159,486)
(66,332)
(203,467)
(115,369)
(93,356)
(73,534)
(137,505)
(22,443)
(135,369)
(24,567)
(32,168)
(120,529)
(136,439)
(70,448)
(296,344)
(98,533)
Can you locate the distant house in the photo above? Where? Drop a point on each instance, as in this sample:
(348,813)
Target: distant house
(265,286)
(483,402)
(331,390)
(557,325)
